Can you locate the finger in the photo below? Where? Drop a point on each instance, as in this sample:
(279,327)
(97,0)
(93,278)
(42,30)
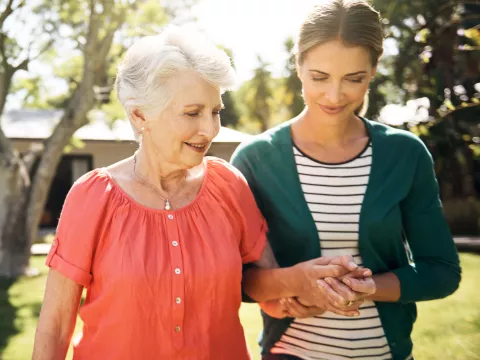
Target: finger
(323,271)
(284,308)
(330,293)
(349,313)
(324,260)
(359,273)
(304,301)
(346,261)
(343,290)
(295,308)
(366,286)
(355,305)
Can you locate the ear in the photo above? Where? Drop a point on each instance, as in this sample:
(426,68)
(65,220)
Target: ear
(374,72)
(138,118)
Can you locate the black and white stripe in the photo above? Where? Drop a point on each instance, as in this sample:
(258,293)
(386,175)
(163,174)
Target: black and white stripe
(334,194)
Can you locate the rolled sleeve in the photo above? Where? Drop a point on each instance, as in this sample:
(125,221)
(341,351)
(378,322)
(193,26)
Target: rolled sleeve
(55,261)
(252,254)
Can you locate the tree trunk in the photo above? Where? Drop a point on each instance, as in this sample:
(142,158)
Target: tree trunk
(14,186)
(75,116)
(46,170)
(22,203)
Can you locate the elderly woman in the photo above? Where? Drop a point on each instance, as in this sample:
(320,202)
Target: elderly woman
(159,239)
(330,182)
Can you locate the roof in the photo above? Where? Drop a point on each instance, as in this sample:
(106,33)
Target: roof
(38,124)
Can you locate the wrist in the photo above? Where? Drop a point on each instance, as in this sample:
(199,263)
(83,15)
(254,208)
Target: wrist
(292,278)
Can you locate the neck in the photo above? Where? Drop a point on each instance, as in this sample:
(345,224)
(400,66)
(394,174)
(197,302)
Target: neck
(320,130)
(162,175)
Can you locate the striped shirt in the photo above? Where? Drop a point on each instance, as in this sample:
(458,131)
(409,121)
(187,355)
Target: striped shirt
(334,194)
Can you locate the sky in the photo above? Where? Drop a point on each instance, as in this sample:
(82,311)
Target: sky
(249,28)
(252,27)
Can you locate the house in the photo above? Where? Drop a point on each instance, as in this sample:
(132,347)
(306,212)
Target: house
(98,144)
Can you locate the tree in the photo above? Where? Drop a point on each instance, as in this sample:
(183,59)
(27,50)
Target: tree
(230,115)
(437,64)
(255,97)
(293,86)
(93,25)
(14,179)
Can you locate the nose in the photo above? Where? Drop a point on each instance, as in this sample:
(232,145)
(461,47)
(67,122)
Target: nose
(209,126)
(334,93)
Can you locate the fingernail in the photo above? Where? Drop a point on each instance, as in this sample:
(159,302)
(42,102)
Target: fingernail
(352,264)
(346,281)
(320,284)
(282,301)
(356,314)
(290,300)
(328,280)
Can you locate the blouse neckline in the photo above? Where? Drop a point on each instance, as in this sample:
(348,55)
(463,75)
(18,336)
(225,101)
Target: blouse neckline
(134,202)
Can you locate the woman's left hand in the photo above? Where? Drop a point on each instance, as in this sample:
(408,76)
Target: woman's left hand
(352,288)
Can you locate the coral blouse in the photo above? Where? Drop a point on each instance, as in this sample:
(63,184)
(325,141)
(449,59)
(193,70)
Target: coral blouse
(160,284)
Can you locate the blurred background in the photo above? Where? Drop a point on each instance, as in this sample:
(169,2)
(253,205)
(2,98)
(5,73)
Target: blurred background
(60,119)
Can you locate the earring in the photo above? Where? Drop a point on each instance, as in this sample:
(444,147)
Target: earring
(142,129)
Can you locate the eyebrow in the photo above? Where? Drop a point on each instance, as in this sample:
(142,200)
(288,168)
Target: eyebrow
(201,106)
(351,74)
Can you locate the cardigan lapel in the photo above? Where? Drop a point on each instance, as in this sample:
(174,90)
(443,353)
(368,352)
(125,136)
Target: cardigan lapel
(288,171)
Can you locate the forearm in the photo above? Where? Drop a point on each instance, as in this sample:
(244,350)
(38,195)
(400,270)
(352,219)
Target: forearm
(50,346)
(388,287)
(269,284)
(57,317)
(427,280)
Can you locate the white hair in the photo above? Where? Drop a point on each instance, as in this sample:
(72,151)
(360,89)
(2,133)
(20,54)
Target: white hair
(152,61)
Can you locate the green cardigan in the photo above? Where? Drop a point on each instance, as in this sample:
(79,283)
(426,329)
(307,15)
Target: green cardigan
(401,201)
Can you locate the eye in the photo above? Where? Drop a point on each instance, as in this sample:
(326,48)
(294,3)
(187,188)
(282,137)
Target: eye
(193,114)
(319,79)
(358,81)
(216,113)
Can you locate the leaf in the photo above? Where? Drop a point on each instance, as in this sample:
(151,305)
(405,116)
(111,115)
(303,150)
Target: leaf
(475,149)
(76,143)
(448,103)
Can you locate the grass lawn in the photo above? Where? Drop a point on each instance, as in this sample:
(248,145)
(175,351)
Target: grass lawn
(447,329)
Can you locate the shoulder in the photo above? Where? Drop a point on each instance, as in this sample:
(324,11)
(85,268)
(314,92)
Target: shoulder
(393,139)
(223,170)
(226,177)
(264,143)
(94,185)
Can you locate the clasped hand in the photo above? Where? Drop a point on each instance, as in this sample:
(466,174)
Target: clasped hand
(334,284)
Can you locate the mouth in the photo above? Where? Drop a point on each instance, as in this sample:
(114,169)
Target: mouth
(198,147)
(332,109)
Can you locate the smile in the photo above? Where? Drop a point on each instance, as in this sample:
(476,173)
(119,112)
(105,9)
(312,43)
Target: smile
(332,109)
(197,147)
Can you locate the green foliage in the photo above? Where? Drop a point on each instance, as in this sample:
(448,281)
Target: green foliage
(146,18)
(256,97)
(435,60)
(293,92)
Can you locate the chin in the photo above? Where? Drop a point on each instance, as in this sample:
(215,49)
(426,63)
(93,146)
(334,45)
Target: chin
(193,161)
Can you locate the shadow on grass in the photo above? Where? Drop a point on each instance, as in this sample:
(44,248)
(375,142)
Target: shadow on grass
(17,312)
(7,315)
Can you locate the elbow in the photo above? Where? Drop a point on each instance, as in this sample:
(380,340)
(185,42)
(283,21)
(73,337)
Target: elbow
(448,281)
(452,284)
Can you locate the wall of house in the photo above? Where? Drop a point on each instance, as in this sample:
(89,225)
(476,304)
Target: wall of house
(108,152)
